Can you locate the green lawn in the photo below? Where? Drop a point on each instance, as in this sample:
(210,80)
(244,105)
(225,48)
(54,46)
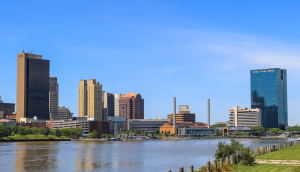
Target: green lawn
(267,168)
(291,153)
(32,136)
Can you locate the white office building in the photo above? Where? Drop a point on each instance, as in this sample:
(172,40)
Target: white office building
(244,117)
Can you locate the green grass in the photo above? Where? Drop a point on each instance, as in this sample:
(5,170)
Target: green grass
(266,168)
(291,153)
(32,136)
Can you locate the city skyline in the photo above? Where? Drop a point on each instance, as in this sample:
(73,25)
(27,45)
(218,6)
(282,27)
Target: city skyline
(213,51)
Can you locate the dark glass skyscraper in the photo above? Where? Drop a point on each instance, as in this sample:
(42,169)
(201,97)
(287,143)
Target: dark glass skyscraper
(32,86)
(269,93)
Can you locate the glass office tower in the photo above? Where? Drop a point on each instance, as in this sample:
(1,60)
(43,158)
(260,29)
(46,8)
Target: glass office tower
(269,93)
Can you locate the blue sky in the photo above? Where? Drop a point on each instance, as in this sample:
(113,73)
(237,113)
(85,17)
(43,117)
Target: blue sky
(191,50)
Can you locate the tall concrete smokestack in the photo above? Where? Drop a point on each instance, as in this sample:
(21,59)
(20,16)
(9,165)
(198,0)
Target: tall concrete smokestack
(174,111)
(208,113)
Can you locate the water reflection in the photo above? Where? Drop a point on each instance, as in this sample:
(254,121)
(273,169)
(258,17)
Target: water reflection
(31,156)
(113,156)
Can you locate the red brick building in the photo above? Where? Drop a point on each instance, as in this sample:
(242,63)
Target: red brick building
(131,106)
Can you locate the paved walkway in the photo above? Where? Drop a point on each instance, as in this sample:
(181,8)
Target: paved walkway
(281,162)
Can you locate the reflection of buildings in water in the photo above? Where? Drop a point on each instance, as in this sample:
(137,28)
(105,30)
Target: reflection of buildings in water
(28,158)
(89,157)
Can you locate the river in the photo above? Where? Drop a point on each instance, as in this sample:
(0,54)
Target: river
(108,156)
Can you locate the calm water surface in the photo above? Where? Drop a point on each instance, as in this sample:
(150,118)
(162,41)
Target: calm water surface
(131,156)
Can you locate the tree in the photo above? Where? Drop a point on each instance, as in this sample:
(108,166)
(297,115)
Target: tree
(35,130)
(45,131)
(57,132)
(236,149)
(78,132)
(257,130)
(95,133)
(157,131)
(237,133)
(91,135)
(2,131)
(27,130)
(21,130)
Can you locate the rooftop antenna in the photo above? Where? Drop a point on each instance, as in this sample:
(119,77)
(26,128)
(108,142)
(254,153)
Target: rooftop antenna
(23,51)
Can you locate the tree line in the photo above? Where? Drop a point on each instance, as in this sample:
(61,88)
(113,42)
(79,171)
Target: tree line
(6,131)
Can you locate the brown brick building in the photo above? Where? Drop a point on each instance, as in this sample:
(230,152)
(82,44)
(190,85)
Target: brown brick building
(99,126)
(131,106)
(183,117)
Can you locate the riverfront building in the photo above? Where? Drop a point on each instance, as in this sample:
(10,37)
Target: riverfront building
(131,106)
(168,127)
(146,125)
(53,98)
(269,93)
(244,117)
(32,86)
(90,99)
(116,123)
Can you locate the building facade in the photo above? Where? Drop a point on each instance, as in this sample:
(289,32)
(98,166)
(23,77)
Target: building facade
(117,98)
(53,98)
(32,86)
(108,105)
(82,98)
(84,124)
(7,108)
(131,106)
(146,125)
(244,117)
(183,117)
(90,99)
(64,113)
(184,109)
(117,124)
(269,93)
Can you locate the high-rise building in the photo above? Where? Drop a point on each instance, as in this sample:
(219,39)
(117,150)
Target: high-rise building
(90,99)
(131,106)
(53,98)
(82,98)
(244,117)
(108,105)
(269,93)
(94,90)
(117,98)
(32,86)
(64,113)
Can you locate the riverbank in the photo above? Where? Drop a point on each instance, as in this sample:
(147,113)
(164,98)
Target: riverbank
(287,159)
(33,137)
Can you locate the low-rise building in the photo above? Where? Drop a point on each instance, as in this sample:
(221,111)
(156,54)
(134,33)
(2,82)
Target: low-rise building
(116,123)
(244,117)
(168,127)
(32,122)
(102,127)
(195,131)
(146,125)
(232,130)
(84,124)
(7,122)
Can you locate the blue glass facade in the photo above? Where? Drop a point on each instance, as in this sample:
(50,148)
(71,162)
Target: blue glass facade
(269,93)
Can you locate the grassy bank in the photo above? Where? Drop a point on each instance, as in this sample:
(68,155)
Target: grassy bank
(291,153)
(32,137)
(266,168)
